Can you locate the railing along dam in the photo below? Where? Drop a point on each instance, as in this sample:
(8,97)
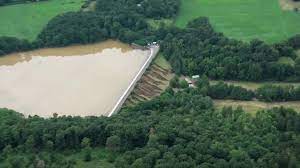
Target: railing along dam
(154,49)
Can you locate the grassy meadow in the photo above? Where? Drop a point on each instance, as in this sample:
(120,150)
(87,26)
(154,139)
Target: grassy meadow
(243,19)
(253,106)
(27,20)
(254,85)
(161,61)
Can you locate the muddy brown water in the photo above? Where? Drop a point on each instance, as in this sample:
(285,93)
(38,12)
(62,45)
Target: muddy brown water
(83,80)
(74,50)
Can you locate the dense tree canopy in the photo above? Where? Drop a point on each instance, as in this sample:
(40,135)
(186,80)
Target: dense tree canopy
(11,44)
(178,129)
(88,27)
(271,93)
(198,49)
(5,2)
(150,9)
(175,130)
(266,93)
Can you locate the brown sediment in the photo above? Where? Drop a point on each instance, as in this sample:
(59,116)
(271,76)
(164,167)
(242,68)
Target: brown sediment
(75,50)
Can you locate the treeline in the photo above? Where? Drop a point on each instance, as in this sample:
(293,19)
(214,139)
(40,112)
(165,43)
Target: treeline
(174,130)
(11,44)
(222,90)
(157,9)
(124,20)
(9,2)
(198,49)
(225,91)
(273,93)
(89,27)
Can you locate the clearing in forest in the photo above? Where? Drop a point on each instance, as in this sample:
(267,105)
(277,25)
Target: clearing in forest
(254,85)
(253,106)
(27,20)
(243,19)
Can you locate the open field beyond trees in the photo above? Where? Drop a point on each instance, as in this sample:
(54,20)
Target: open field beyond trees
(167,121)
(253,106)
(27,20)
(254,85)
(244,19)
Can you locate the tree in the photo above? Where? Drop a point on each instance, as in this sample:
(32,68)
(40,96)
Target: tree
(30,143)
(17,162)
(86,142)
(113,143)
(174,82)
(87,154)
(295,41)
(297,66)
(183,84)
(87,150)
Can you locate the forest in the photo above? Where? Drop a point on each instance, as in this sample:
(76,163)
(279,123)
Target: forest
(196,49)
(9,2)
(266,93)
(199,50)
(181,127)
(174,130)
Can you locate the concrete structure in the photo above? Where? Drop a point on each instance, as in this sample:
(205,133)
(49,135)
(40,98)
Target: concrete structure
(190,82)
(153,52)
(195,76)
(139,47)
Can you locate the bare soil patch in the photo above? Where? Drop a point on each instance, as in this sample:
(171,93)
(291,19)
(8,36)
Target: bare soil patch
(289,5)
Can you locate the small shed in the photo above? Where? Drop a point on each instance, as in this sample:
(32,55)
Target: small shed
(195,76)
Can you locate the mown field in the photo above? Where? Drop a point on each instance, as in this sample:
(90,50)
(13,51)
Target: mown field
(27,20)
(243,19)
(254,85)
(253,107)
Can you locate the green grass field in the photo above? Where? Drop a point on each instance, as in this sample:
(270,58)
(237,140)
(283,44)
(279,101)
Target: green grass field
(286,60)
(162,62)
(254,106)
(254,85)
(27,20)
(243,19)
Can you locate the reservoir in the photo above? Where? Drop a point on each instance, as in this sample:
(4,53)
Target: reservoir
(82,80)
